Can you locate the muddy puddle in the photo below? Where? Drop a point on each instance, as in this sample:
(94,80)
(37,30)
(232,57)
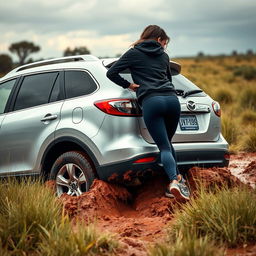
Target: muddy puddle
(138,216)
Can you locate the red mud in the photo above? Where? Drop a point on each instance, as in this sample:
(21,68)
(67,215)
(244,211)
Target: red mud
(139,216)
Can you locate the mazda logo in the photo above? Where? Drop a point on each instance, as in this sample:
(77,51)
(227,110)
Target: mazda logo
(191,105)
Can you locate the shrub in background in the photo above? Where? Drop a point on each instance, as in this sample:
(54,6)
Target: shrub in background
(247,72)
(224,96)
(247,99)
(248,117)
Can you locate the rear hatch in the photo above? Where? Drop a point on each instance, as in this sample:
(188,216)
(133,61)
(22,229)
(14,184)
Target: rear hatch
(198,121)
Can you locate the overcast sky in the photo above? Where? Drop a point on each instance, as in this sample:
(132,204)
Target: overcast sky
(108,27)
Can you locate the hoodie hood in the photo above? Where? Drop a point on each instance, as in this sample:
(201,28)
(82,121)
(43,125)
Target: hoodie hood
(150,47)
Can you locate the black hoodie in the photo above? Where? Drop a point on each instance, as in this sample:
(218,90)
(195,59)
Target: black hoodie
(149,66)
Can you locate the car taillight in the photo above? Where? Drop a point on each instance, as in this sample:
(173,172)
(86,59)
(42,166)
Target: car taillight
(119,107)
(216,108)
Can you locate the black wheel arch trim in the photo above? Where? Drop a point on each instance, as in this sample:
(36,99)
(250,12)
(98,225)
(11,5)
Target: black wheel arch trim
(86,149)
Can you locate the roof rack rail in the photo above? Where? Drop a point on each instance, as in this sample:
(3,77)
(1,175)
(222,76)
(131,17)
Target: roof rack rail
(86,57)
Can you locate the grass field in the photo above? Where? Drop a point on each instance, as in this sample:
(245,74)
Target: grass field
(230,80)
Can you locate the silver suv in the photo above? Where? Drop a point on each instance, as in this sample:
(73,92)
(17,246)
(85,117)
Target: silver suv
(65,120)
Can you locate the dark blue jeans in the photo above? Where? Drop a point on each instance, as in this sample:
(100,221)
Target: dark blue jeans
(161,115)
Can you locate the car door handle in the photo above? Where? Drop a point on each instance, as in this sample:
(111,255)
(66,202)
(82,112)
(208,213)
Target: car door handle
(49,117)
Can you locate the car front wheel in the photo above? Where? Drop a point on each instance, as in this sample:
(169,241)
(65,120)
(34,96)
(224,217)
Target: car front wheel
(73,174)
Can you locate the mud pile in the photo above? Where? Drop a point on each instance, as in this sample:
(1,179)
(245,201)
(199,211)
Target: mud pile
(101,201)
(211,178)
(250,170)
(138,216)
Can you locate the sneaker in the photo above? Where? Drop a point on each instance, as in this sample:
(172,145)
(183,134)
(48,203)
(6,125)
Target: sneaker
(168,193)
(180,191)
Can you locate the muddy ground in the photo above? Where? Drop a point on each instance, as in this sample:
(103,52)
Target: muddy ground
(138,216)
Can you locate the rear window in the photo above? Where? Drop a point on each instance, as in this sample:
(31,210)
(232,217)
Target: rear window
(179,81)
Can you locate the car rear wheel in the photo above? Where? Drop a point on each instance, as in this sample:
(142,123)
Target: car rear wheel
(73,174)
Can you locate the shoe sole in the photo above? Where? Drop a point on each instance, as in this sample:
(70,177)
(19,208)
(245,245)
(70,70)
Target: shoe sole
(169,195)
(178,195)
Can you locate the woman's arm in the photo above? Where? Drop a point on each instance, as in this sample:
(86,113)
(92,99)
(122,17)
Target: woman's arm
(168,72)
(123,63)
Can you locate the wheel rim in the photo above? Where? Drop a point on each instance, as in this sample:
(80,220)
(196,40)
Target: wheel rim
(71,180)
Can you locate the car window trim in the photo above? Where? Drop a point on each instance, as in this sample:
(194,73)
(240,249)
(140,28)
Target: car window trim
(12,93)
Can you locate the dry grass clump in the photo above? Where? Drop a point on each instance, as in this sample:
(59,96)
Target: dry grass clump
(249,143)
(224,95)
(248,98)
(229,129)
(248,117)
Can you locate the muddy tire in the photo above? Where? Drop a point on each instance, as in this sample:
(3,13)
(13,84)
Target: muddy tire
(73,174)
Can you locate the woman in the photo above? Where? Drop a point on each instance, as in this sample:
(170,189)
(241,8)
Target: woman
(149,66)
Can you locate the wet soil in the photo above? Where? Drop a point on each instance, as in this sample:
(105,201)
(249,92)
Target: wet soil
(138,216)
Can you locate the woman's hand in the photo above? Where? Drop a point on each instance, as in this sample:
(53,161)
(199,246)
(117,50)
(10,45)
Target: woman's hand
(134,87)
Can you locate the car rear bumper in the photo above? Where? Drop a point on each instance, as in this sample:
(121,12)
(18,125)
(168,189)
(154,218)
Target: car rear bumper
(203,154)
(188,155)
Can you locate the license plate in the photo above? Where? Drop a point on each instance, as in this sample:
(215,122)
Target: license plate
(188,123)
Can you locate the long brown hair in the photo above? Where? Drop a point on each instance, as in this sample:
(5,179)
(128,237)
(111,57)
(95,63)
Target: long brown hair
(152,32)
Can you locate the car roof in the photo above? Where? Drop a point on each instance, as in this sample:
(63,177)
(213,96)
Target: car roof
(70,61)
(51,64)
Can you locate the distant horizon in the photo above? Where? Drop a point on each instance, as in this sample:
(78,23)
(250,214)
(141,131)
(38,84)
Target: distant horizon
(174,57)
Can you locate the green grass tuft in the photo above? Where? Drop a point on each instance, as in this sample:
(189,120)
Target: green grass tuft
(32,222)
(227,216)
(65,240)
(187,247)
(25,207)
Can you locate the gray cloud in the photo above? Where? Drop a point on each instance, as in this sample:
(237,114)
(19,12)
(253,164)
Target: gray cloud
(192,25)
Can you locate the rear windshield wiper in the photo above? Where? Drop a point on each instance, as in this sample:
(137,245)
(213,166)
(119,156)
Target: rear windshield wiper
(186,94)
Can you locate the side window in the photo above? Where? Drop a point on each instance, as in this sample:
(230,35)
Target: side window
(78,83)
(5,90)
(35,90)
